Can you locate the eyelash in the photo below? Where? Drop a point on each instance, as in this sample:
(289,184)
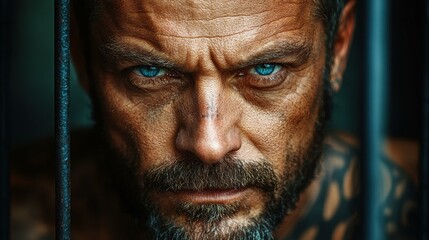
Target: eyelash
(269,81)
(142,82)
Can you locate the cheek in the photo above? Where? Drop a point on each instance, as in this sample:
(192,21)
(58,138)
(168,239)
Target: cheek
(287,128)
(134,127)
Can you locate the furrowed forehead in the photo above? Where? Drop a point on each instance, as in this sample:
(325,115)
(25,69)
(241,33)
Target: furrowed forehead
(202,18)
(91,10)
(200,9)
(231,35)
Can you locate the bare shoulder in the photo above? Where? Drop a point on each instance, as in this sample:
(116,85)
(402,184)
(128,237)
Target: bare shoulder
(404,153)
(399,199)
(329,208)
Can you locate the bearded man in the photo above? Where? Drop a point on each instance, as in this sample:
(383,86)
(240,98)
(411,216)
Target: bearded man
(210,120)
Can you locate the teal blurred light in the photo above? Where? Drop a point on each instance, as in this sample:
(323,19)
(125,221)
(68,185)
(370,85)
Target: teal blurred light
(32,73)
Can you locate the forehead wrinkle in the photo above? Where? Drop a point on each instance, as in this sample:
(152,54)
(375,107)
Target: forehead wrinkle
(269,34)
(191,25)
(209,57)
(250,29)
(210,10)
(139,5)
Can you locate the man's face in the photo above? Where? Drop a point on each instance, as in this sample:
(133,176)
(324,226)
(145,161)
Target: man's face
(214,106)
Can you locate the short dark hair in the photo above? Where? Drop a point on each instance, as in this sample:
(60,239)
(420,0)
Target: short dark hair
(329,12)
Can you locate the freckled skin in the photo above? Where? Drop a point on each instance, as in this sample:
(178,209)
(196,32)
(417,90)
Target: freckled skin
(209,109)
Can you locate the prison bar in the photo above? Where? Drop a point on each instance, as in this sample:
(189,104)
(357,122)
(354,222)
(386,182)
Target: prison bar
(376,81)
(375,66)
(424,154)
(4,83)
(62,129)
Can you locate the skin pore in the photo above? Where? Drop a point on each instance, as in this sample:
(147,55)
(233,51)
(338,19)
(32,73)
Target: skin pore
(214,116)
(211,88)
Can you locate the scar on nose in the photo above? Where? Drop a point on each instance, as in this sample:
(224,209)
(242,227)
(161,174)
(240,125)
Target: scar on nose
(211,109)
(211,113)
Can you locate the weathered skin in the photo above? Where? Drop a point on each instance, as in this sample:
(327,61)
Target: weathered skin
(210,102)
(210,105)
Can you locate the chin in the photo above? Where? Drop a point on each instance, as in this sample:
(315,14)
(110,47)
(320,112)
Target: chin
(238,225)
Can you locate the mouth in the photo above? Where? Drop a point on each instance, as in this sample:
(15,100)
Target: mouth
(212,196)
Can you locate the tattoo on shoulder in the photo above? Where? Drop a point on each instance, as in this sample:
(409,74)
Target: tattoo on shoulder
(333,214)
(399,202)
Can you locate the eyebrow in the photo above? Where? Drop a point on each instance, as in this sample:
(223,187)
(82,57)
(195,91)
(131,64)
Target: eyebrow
(113,52)
(298,52)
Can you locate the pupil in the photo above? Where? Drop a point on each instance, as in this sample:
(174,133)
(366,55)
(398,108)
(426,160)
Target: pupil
(149,71)
(265,69)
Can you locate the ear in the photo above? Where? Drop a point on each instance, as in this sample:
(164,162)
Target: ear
(342,44)
(77,44)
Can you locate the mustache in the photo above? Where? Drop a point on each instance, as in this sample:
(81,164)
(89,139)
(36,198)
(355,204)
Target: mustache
(190,173)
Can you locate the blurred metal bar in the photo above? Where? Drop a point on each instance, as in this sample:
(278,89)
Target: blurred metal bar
(424,160)
(62,134)
(375,86)
(5,15)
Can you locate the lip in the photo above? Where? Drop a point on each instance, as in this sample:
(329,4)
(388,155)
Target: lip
(218,196)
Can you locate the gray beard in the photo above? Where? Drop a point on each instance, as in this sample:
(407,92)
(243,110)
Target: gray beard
(256,229)
(206,221)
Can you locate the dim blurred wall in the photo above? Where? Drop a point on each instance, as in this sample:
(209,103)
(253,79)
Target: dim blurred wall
(32,73)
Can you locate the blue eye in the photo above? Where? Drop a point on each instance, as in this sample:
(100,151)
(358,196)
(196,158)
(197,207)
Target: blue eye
(150,71)
(265,69)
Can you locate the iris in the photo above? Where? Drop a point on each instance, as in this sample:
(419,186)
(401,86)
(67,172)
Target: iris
(149,71)
(266,69)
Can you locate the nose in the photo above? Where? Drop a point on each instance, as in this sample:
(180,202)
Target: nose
(209,128)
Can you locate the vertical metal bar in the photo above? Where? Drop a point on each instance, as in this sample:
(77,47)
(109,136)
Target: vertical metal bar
(376,84)
(5,12)
(424,155)
(62,135)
